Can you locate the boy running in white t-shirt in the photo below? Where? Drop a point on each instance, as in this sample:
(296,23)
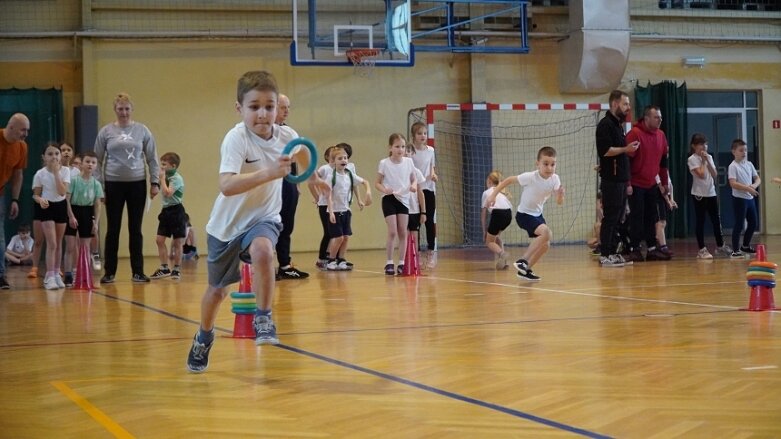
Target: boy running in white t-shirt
(245,223)
(538,186)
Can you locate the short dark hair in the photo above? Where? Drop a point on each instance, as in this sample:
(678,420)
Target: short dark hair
(88,154)
(172,158)
(23,228)
(547,151)
(347,148)
(737,143)
(648,109)
(259,80)
(616,95)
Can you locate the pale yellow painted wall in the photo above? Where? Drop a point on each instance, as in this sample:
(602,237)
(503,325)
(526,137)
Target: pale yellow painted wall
(185,91)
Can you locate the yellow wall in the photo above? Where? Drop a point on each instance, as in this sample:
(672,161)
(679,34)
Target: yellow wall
(185,91)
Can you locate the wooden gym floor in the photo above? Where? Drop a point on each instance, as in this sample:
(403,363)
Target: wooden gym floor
(657,350)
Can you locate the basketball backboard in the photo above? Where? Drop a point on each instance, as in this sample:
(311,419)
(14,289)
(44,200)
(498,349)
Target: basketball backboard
(324,32)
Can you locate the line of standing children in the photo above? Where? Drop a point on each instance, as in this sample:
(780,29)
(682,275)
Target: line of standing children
(538,186)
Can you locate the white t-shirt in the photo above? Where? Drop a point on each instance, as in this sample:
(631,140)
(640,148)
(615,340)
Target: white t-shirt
(701,187)
(425,161)
(414,205)
(45,180)
(398,176)
(341,188)
(20,247)
(501,201)
(324,172)
(536,191)
(743,172)
(243,152)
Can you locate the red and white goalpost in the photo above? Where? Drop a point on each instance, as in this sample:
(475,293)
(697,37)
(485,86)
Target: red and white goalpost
(473,139)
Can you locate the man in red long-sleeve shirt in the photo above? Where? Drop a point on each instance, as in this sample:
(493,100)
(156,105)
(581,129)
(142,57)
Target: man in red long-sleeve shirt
(648,161)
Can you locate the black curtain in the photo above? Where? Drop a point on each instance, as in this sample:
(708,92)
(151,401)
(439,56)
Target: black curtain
(45,111)
(671,99)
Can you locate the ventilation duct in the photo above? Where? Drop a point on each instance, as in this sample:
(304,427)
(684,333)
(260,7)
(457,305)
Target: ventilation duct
(594,57)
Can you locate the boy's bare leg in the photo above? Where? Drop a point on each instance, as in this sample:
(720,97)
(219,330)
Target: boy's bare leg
(162,250)
(176,248)
(262,253)
(210,305)
(539,245)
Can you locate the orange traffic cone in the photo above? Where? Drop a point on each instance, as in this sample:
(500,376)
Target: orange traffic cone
(411,262)
(243,305)
(83,279)
(761,277)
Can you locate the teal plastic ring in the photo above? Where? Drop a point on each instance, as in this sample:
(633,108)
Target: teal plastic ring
(295,179)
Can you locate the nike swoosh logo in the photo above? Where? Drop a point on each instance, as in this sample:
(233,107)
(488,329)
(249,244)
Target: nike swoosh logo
(251,161)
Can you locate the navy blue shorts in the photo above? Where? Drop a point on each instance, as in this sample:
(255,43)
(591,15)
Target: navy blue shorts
(342,225)
(529,222)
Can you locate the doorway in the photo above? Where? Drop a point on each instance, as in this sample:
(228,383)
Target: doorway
(723,117)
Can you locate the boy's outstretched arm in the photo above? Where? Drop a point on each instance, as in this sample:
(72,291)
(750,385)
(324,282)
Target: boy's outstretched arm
(560,195)
(234,184)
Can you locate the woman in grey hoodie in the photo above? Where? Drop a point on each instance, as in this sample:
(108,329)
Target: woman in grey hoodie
(125,148)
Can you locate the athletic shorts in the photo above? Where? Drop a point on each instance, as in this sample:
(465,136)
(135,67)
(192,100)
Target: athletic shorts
(85,215)
(529,222)
(499,220)
(224,257)
(172,222)
(342,225)
(57,212)
(392,206)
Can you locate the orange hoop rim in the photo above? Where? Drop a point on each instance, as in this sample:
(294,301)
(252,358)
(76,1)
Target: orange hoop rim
(357,55)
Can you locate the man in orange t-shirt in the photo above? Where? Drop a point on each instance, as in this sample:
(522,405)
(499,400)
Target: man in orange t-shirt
(13,160)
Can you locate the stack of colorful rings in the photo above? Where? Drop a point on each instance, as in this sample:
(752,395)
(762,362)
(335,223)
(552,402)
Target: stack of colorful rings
(761,274)
(243,303)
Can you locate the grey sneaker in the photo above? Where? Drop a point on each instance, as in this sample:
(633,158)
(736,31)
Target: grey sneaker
(265,331)
(501,262)
(611,261)
(737,255)
(620,259)
(724,251)
(198,358)
(96,264)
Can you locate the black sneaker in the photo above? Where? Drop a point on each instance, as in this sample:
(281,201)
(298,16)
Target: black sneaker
(68,279)
(389,270)
(292,273)
(140,278)
(748,249)
(657,255)
(522,266)
(161,272)
(528,276)
(198,358)
(265,330)
(4,285)
(107,279)
(175,275)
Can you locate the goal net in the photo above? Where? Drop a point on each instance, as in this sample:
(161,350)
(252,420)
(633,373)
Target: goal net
(471,140)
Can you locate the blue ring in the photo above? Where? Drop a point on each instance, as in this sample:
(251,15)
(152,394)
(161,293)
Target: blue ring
(761,283)
(295,179)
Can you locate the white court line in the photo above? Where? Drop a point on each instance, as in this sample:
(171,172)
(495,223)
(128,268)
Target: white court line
(760,367)
(577,293)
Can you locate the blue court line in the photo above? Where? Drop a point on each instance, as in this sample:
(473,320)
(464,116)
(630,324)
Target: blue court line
(434,390)
(445,393)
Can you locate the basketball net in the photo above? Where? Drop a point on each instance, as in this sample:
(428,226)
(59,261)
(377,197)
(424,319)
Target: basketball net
(364,61)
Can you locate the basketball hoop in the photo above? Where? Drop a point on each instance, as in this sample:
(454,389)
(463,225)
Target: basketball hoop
(363,60)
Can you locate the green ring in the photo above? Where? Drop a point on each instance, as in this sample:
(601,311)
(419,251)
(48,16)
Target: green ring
(300,178)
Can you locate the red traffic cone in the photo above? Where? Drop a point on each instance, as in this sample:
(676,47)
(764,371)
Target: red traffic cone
(243,305)
(411,263)
(83,279)
(245,285)
(761,280)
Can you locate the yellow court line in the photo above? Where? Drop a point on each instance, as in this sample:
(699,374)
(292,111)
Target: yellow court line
(93,411)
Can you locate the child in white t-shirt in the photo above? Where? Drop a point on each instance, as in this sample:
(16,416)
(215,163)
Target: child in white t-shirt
(396,180)
(538,186)
(20,249)
(501,215)
(50,184)
(744,180)
(245,223)
(425,161)
(344,183)
(704,198)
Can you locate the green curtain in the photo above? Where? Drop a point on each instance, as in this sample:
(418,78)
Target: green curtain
(45,111)
(671,99)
